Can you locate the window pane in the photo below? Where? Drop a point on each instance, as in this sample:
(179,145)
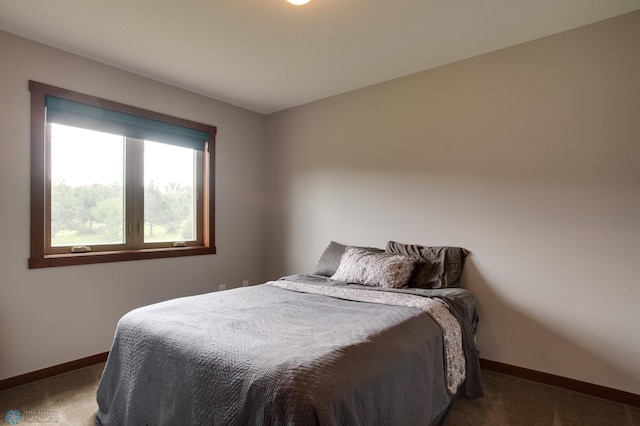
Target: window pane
(169,193)
(87,191)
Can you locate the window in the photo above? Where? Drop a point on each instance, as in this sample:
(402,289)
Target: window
(111,182)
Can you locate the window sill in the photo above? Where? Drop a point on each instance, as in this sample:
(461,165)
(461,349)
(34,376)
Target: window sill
(49,261)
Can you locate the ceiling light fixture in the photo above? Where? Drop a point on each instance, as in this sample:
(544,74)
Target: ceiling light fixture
(298,2)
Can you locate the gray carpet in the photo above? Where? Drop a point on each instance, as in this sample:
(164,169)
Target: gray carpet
(69,399)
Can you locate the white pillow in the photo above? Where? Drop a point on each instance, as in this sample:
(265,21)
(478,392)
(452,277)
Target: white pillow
(360,266)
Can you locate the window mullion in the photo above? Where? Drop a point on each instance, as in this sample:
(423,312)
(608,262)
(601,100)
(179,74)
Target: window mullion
(135,193)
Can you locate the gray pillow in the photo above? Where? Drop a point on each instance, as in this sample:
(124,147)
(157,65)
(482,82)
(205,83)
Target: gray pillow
(361,266)
(439,267)
(330,259)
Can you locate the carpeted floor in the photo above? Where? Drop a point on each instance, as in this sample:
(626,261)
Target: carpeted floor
(69,399)
(65,399)
(510,400)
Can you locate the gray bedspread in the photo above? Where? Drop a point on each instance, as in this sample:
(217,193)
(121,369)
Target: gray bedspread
(267,355)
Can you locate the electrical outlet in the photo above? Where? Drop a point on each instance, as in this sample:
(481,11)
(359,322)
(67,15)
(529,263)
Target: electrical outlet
(222,287)
(245,283)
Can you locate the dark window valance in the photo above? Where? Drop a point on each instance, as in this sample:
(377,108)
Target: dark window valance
(77,114)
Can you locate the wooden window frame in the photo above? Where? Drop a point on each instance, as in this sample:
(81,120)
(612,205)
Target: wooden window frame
(39,258)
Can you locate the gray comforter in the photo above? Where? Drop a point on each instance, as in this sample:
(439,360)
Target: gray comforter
(268,355)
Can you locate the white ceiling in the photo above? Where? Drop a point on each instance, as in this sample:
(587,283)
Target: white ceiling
(268,55)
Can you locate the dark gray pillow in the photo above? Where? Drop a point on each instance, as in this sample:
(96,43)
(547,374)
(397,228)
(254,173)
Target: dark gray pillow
(330,259)
(440,266)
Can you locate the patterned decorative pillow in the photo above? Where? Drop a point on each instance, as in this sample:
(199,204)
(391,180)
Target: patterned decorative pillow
(361,266)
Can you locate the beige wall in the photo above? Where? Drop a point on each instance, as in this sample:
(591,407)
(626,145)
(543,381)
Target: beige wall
(529,157)
(51,316)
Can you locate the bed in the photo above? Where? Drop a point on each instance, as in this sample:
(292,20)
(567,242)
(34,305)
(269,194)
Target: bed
(302,350)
